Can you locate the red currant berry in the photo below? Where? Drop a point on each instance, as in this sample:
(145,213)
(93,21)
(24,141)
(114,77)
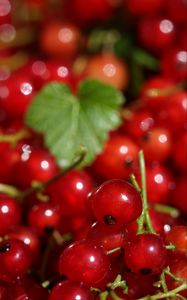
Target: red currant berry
(10,214)
(174,64)
(44,216)
(68,290)
(108,237)
(177,10)
(15,258)
(25,288)
(71,191)
(60,39)
(156,33)
(178,237)
(179,152)
(137,123)
(118,158)
(146,254)
(179,194)
(157,144)
(17,95)
(38,164)
(144,7)
(84,262)
(109,69)
(155,91)
(26,235)
(116,202)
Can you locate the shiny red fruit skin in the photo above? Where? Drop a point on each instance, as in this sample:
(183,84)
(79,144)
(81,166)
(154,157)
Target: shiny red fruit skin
(174,63)
(157,144)
(71,191)
(25,288)
(178,237)
(69,290)
(26,235)
(15,259)
(84,262)
(179,194)
(156,33)
(10,214)
(16,94)
(38,164)
(44,216)
(116,203)
(107,237)
(117,159)
(60,39)
(146,254)
(155,91)
(144,7)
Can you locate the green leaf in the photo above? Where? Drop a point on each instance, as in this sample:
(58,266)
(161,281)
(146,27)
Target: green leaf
(69,122)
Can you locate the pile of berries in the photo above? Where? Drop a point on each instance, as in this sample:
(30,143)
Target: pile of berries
(115,229)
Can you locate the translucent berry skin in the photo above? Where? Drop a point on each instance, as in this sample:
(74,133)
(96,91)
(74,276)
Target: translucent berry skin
(69,290)
(138,123)
(178,237)
(26,235)
(172,112)
(109,69)
(84,262)
(118,158)
(178,267)
(15,258)
(179,194)
(155,91)
(157,144)
(160,180)
(116,203)
(107,237)
(97,10)
(146,254)
(44,216)
(177,10)
(17,94)
(71,191)
(25,288)
(179,152)
(144,7)
(174,63)
(10,213)
(156,33)
(60,39)
(38,164)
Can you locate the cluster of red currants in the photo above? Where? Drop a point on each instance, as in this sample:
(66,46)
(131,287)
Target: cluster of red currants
(91,233)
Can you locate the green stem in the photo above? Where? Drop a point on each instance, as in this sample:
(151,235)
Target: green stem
(170,247)
(104,295)
(172,211)
(171,293)
(114,296)
(10,190)
(113,250)
(144,219)
(14,138)
(163,282)
(118,283)
(135,183)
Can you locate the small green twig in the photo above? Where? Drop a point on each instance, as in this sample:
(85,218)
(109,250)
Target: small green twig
(135,183)
(114,296)
(171,293)
(103,295)
(15,137)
